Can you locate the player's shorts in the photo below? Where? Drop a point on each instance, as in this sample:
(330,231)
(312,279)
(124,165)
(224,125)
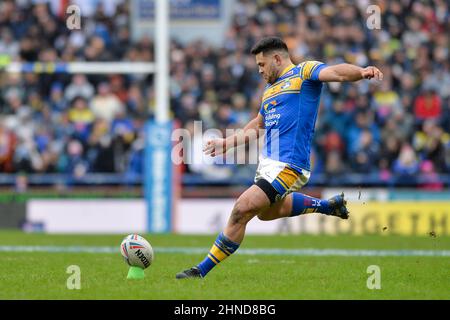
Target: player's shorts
(278,179)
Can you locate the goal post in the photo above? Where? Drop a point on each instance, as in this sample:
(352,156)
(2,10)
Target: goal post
(162,61)
(116,67)
(160,173)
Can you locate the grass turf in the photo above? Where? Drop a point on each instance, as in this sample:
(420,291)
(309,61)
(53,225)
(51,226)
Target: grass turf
(42,275)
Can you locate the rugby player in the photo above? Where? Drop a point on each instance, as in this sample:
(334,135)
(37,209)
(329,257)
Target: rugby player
(289,106)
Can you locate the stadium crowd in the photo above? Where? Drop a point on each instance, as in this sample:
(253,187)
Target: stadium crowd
(80,124)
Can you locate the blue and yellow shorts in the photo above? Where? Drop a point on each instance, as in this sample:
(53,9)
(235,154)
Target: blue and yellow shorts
(281,176)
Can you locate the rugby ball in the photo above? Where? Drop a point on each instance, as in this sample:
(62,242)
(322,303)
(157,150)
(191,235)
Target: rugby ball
(136,251)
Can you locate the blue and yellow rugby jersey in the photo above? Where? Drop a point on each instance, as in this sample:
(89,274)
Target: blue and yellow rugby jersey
(290,105)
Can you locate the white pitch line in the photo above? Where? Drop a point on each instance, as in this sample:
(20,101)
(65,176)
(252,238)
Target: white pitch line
(243,251)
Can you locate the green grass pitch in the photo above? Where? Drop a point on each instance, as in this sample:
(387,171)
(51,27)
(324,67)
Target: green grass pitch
(42,275)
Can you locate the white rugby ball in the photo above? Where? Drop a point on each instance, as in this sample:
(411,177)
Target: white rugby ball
(136,251)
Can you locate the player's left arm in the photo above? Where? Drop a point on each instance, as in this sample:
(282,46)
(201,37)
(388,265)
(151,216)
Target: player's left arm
(348,72)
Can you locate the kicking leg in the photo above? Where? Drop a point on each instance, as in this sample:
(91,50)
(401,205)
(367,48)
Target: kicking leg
(249,204)
(298,203)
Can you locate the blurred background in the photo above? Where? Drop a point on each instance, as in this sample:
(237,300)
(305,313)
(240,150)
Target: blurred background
(73,144)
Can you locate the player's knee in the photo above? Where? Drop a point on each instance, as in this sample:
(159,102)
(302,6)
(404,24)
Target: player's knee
(238,214)
(242,212)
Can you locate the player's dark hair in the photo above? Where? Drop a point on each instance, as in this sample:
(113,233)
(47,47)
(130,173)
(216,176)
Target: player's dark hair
(269,44)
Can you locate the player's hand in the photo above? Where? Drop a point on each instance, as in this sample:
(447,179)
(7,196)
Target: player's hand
(215,147)
(372,72)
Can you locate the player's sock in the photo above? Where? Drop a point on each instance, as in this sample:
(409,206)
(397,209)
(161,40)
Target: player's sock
(221,249)
(302,204)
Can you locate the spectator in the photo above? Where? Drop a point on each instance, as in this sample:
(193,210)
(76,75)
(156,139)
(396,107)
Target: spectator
(364,121)
(365,157)
(8,46)
(135,102)
(56,100)
(432,181)
(101,152)
(81,117)
(337,119)
(386,102)
(427,106)
(334,165)
(241,114)
(389,152)
(73,161)
(406,164)
(105,104)
(79,87)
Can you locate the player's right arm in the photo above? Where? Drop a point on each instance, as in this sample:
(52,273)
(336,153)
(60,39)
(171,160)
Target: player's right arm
(349,72)
(250,132)
(318,71)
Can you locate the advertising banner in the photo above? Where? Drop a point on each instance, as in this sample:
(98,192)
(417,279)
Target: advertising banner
(366,218)
(86,216)
(209,216)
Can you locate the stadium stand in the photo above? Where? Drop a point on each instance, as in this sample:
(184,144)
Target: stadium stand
(396,133)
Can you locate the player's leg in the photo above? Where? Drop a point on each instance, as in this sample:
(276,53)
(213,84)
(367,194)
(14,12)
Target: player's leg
(298,203)
(248,205)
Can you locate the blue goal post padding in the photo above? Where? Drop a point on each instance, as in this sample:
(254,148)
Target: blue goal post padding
(158,176)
